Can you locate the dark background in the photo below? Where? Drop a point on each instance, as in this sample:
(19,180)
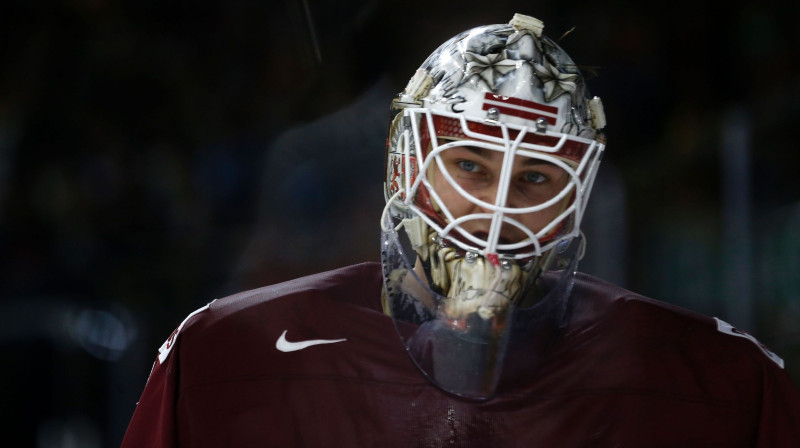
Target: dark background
(157,155)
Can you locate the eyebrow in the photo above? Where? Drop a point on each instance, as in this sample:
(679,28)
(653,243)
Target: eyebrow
(532,161)
(482,153)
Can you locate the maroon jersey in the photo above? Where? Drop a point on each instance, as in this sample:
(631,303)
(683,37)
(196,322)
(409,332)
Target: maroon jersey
(315,363)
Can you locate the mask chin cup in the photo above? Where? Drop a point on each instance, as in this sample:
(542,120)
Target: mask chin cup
(460,343)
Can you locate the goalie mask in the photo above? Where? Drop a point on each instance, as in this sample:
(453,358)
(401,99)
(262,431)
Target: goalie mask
(492,150)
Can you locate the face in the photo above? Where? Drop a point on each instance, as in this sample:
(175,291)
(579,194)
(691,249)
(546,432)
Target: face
(478,170)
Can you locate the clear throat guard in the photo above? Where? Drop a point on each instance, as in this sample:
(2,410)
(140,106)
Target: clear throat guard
(462,336)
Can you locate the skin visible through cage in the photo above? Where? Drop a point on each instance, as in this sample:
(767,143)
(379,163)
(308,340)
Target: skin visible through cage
(478,170)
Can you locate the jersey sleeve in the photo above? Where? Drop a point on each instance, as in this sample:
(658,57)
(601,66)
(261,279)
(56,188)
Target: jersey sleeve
(779,415)
(154,421)
(779,425)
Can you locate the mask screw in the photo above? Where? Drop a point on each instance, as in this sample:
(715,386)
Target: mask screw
(541,125)
(505,265)
(471,257)
(492,114)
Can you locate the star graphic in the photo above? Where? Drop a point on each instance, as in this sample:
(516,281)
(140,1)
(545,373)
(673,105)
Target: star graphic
(555,82)
(489,66)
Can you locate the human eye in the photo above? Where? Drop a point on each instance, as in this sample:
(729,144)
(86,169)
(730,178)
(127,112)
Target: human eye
(468,166)
(534,177)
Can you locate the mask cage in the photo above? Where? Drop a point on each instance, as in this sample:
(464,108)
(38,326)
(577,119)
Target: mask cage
(579,157)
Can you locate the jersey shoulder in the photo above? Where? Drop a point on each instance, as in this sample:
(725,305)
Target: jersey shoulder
(647,347)
(340,285)
(616,307)
(657,348)
(355,287)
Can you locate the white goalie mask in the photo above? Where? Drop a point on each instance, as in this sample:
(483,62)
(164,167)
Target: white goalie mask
(492,151)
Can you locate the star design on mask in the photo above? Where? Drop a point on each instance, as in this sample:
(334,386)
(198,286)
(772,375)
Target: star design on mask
(555,82)
(489,66)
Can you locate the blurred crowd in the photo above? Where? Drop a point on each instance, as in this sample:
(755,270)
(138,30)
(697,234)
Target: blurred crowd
(155,156)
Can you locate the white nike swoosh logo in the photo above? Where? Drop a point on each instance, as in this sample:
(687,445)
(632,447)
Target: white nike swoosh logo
(285,346)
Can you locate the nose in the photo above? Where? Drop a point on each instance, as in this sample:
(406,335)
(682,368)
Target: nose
(509,233)
(487,195)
